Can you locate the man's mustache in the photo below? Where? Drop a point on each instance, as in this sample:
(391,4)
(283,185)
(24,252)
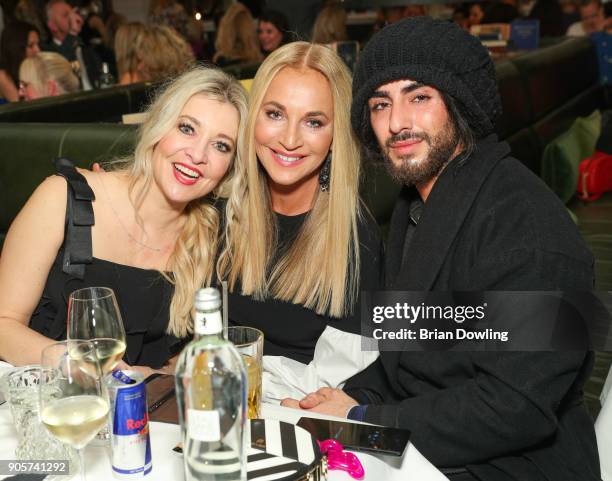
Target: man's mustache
(403,136)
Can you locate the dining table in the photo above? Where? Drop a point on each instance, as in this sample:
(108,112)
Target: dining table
(168,465)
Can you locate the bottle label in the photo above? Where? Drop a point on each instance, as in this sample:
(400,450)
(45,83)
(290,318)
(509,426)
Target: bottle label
(208,323)
(203,425)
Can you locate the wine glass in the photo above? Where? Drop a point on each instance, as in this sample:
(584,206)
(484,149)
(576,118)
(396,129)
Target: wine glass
(73,402)
(93,314)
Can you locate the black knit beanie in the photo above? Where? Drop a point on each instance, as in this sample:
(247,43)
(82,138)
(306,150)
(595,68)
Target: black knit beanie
(432,52)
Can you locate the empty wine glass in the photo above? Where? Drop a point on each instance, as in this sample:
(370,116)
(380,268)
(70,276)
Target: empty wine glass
(93,314)
(73,400)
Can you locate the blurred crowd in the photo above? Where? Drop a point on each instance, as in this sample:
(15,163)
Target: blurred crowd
(58,46)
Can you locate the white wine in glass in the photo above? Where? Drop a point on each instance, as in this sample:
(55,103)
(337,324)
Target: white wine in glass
(72,419)
(93,314)
(73,401)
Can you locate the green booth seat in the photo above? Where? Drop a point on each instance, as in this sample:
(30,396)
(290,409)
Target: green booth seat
(561,158)
(27,151)
(104,105)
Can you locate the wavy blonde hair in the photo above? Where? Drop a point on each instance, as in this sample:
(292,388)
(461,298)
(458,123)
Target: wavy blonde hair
(161,53)
(237,36)
(320,270)
(125,42)
(193,259)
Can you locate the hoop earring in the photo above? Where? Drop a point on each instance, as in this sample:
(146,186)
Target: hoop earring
(325,173)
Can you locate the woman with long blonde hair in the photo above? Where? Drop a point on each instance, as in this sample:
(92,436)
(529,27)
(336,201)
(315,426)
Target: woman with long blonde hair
(153,53)
(299,246)
(125,52)
(237,38)
(148,229)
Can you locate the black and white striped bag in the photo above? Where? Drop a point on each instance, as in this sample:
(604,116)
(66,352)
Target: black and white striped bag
(283,451)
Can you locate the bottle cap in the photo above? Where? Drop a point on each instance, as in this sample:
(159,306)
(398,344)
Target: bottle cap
(207,299)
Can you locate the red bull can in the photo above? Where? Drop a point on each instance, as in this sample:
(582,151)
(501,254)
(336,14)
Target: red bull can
(130,441)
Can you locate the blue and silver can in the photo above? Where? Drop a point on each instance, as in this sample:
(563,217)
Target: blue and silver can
(130,440)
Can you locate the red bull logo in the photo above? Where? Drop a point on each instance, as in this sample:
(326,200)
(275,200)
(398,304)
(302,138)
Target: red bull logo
(138,424)
(131,448)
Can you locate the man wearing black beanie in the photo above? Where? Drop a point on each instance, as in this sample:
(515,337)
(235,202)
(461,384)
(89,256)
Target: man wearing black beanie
(469,218)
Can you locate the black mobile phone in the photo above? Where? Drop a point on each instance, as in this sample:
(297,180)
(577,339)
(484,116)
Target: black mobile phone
(359,437)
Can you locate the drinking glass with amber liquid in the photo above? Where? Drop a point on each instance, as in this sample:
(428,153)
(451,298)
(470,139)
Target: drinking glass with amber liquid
(249,343)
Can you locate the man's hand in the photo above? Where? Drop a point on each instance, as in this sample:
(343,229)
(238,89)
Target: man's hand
(325,401)
(76,22)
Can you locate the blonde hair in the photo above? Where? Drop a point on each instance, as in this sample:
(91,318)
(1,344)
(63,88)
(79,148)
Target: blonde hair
(125,52)
(46,66)
(320,270)
(162,52)
(237,36)
(192,261)
(330,25)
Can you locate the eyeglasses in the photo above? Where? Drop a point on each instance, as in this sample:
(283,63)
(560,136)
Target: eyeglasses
(23,86)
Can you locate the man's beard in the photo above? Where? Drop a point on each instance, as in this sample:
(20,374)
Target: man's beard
(411,172)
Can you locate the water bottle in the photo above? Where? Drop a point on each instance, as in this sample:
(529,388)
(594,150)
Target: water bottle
(211,389)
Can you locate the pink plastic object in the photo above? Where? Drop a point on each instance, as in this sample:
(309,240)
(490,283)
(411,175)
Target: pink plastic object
(342,460)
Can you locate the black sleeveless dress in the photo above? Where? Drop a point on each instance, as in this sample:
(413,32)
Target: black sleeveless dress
(143,295)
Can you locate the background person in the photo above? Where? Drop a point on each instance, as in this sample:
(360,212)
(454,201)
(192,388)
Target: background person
(125,52)
(47,74)
(148,229)
(477,12)
(169,13)
(19,40)
(153,53)
(592,19)
(236,38)
(161,53)
(550,15)
(272,31)
(330,25)
(64,23)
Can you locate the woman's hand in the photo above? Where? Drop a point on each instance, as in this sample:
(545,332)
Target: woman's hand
(144,370)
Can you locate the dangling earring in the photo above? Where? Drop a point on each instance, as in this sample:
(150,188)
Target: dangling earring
(325,173)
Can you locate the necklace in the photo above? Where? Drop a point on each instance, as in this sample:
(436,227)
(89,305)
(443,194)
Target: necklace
(125,229)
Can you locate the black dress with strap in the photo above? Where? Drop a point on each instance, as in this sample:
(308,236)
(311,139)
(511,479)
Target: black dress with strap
(143,295)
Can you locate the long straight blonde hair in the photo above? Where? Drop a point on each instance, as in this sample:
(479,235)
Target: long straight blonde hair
(192,262)
(320,270)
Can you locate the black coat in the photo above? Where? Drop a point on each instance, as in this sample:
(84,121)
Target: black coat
(68,49)
(488,224)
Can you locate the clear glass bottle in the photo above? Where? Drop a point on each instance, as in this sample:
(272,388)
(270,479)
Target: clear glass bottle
(211,388)
(106,79)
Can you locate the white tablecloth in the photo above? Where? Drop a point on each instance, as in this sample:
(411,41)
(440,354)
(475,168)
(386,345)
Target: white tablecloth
(169,466)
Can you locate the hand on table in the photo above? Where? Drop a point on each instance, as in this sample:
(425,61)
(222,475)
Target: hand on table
(334,402)
(145,370)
